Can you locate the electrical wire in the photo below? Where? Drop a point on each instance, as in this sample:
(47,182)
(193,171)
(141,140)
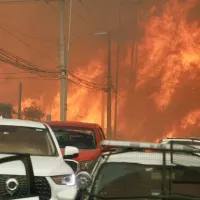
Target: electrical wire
(24,1)
(28,77)
(29,36)
(10,33)
(74,78)
(22,64)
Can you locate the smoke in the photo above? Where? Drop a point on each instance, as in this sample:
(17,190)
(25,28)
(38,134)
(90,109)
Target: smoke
(139,116)
(169,76)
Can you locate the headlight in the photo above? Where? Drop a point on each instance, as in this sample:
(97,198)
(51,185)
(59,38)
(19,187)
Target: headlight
(85,165)
(68,179)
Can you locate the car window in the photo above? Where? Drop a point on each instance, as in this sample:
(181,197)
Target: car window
(28,140)
(131,180)
(82,138)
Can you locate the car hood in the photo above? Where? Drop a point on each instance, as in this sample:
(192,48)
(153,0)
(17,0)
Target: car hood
(42,166)
(86,154)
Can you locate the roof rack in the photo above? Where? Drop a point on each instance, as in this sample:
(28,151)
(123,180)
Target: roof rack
(171,146)
(170,157)
(185,138)
(180,140)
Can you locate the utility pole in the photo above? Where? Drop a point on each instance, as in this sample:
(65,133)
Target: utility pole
(20,100)
(68,54)
(103,110)
(109,92)
(116,93)
(62,64)
(117,76)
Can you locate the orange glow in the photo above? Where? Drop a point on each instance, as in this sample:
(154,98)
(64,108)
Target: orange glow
(168,135)
(168,62)
(83,105)
(171,45)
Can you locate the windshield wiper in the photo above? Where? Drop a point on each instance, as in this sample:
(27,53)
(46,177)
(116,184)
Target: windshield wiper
(175,196)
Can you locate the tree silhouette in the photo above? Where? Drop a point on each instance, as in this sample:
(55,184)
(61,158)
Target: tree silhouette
(7,110)
(33,112)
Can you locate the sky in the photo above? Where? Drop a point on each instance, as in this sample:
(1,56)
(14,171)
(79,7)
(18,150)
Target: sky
(31,31)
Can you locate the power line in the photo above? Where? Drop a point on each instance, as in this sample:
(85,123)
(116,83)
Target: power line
(20,63)
(10,33)
(29,36)
(24,1)
(33,77)
(50,5)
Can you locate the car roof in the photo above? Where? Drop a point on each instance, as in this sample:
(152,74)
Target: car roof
(72,123)
(180,139)
(151,158)
(24,123)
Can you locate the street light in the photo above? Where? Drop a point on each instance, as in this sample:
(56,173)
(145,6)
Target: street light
(117,67)
(109,83)
(109,86)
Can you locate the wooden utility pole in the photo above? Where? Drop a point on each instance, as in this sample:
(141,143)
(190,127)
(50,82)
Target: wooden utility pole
(68,55)
(103,110)
(62,64)
(20,100)
(117,75)
(109,92)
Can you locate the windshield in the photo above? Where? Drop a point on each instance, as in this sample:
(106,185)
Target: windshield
(82,138)
(26,140)
(134,180)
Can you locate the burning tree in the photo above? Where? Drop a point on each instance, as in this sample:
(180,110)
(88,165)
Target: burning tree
(33,112)
(6,110)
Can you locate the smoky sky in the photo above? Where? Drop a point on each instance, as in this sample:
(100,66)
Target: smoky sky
(31,31)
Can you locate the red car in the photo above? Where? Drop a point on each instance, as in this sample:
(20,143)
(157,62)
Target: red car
(85,136)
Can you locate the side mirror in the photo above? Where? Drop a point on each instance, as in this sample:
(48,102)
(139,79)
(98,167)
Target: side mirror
(70,152)
(83,180)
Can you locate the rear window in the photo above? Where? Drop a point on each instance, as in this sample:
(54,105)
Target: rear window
(131,180)
(82,138)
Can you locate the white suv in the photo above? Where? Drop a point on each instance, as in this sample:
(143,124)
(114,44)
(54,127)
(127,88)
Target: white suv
(54,179)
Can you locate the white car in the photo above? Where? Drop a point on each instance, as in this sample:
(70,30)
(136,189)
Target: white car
(143,171)
(54,179)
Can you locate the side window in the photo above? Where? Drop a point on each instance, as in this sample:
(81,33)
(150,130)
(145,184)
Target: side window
(102,134)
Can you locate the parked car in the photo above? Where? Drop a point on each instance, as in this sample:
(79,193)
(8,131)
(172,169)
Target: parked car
(129,173)
(53,178)
(86,137)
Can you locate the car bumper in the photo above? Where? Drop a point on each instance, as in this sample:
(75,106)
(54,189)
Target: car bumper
(67,194)
(62,192)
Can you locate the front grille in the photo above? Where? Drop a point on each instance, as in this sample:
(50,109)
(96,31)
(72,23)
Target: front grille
(43,189)
(72,164)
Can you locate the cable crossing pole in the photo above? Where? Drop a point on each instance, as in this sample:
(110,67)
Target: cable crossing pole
(68,54)
(62,64)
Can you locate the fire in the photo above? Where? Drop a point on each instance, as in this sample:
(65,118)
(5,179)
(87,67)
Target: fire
(167,73)
(191,119)
(172,59)
(168,135)
(83,105)
(171,45)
